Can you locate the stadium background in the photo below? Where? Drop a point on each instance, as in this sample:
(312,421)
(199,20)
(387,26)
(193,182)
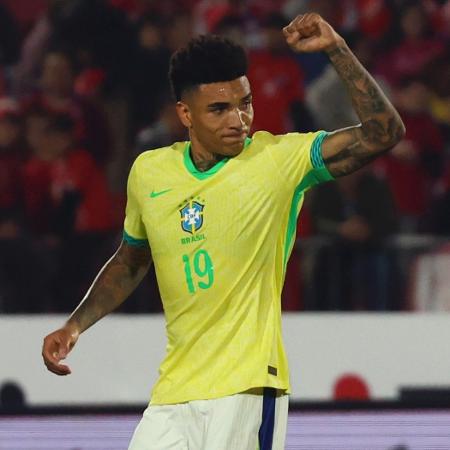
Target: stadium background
(370,269)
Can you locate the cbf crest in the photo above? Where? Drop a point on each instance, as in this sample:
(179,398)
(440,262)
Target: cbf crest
(192,216)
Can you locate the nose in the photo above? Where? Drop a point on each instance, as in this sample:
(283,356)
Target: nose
(238,119)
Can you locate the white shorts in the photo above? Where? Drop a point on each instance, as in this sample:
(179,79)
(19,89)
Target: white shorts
(254,420)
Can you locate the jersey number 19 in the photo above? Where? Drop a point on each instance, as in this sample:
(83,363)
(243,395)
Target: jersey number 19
(203,268)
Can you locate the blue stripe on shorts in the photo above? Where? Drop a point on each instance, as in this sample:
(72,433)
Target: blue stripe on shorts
(268,419)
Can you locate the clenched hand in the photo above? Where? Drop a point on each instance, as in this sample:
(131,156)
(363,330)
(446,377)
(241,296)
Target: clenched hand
(310,33)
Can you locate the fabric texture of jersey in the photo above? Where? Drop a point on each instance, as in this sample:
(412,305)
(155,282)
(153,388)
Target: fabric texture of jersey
(220,242)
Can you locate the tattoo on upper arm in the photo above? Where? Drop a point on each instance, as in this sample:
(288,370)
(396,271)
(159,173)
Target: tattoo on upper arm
(358,153)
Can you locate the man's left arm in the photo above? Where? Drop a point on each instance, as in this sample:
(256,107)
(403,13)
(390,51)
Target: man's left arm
(381,127)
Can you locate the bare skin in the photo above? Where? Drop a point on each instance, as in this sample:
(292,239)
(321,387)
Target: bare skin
(219,117)
(115,282)
(349,149)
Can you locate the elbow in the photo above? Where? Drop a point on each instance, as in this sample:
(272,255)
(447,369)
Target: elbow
(392,134)
(397,131)
(400,131)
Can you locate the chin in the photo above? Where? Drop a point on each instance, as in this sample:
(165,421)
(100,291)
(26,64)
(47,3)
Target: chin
(233,150)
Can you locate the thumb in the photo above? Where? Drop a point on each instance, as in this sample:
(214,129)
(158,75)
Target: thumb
(305,44)
(64,348)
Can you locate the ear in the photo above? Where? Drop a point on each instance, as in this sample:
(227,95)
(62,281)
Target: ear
(184,114)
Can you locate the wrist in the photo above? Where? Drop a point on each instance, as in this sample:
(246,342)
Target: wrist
(73,328)
(338,44)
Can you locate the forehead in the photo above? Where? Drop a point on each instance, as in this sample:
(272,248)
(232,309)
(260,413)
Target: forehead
(223,91)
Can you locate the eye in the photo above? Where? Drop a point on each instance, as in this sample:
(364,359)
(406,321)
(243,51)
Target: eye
(218,110)
(247,104)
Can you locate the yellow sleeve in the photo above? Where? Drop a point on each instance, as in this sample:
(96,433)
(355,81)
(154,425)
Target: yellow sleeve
(299,159)
(134,232)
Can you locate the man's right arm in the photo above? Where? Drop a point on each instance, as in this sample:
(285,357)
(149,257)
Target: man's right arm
(114,283)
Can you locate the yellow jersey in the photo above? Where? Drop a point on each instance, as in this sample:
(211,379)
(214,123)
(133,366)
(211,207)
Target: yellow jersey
(220,241)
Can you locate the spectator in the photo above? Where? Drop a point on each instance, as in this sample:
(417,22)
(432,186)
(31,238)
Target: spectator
(277,83)
(150,65)
(166,130)
(179,30)
(57,94)
(74,185)
(417,46)
(11,155)
(414,165)
(208,14)
(352,271)
(232,27)
(96,33)
(15,255)
(374,18)
(67,201)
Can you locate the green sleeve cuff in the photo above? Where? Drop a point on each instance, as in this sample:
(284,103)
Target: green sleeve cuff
(130,240)
(321,171)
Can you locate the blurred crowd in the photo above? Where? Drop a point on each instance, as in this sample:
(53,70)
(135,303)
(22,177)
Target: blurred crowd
(84,89)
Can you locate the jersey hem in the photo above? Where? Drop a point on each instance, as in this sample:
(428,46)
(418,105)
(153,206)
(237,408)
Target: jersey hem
(286,388)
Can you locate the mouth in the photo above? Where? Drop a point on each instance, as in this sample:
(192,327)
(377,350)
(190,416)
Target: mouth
(236,136)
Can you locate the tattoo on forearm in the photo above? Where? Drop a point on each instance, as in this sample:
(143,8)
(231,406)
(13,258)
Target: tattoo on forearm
(381,126)
(115,282)
(366,95)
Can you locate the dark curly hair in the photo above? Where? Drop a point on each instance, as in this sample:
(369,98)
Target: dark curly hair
(206,59)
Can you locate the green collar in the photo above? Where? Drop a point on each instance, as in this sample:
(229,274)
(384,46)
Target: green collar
(190,166)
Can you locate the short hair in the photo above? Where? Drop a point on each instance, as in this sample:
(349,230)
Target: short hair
(206,59)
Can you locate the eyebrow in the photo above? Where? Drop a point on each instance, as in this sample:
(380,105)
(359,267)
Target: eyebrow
(226,104)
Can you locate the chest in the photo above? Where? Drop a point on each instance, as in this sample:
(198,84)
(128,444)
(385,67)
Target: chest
(230,206)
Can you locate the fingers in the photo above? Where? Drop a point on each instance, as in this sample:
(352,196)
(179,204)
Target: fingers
(292,27)
(57,368)
(305,25)
(54,350)
(53,364)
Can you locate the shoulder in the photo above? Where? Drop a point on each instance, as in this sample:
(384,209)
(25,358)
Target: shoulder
(289,140)
(165,156)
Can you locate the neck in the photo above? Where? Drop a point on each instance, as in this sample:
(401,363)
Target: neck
(202,158)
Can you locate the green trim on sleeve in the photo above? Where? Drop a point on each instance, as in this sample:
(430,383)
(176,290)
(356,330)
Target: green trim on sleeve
(292,226)
(309,180)
(318,174)
(322,173)
(130,240)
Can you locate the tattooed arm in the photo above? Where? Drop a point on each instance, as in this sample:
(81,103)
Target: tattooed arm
(115,282)
(346,150)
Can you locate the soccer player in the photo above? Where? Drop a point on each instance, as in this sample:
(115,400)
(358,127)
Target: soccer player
(217,217)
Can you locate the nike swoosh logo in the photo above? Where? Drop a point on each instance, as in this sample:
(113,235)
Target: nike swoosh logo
(154,194)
